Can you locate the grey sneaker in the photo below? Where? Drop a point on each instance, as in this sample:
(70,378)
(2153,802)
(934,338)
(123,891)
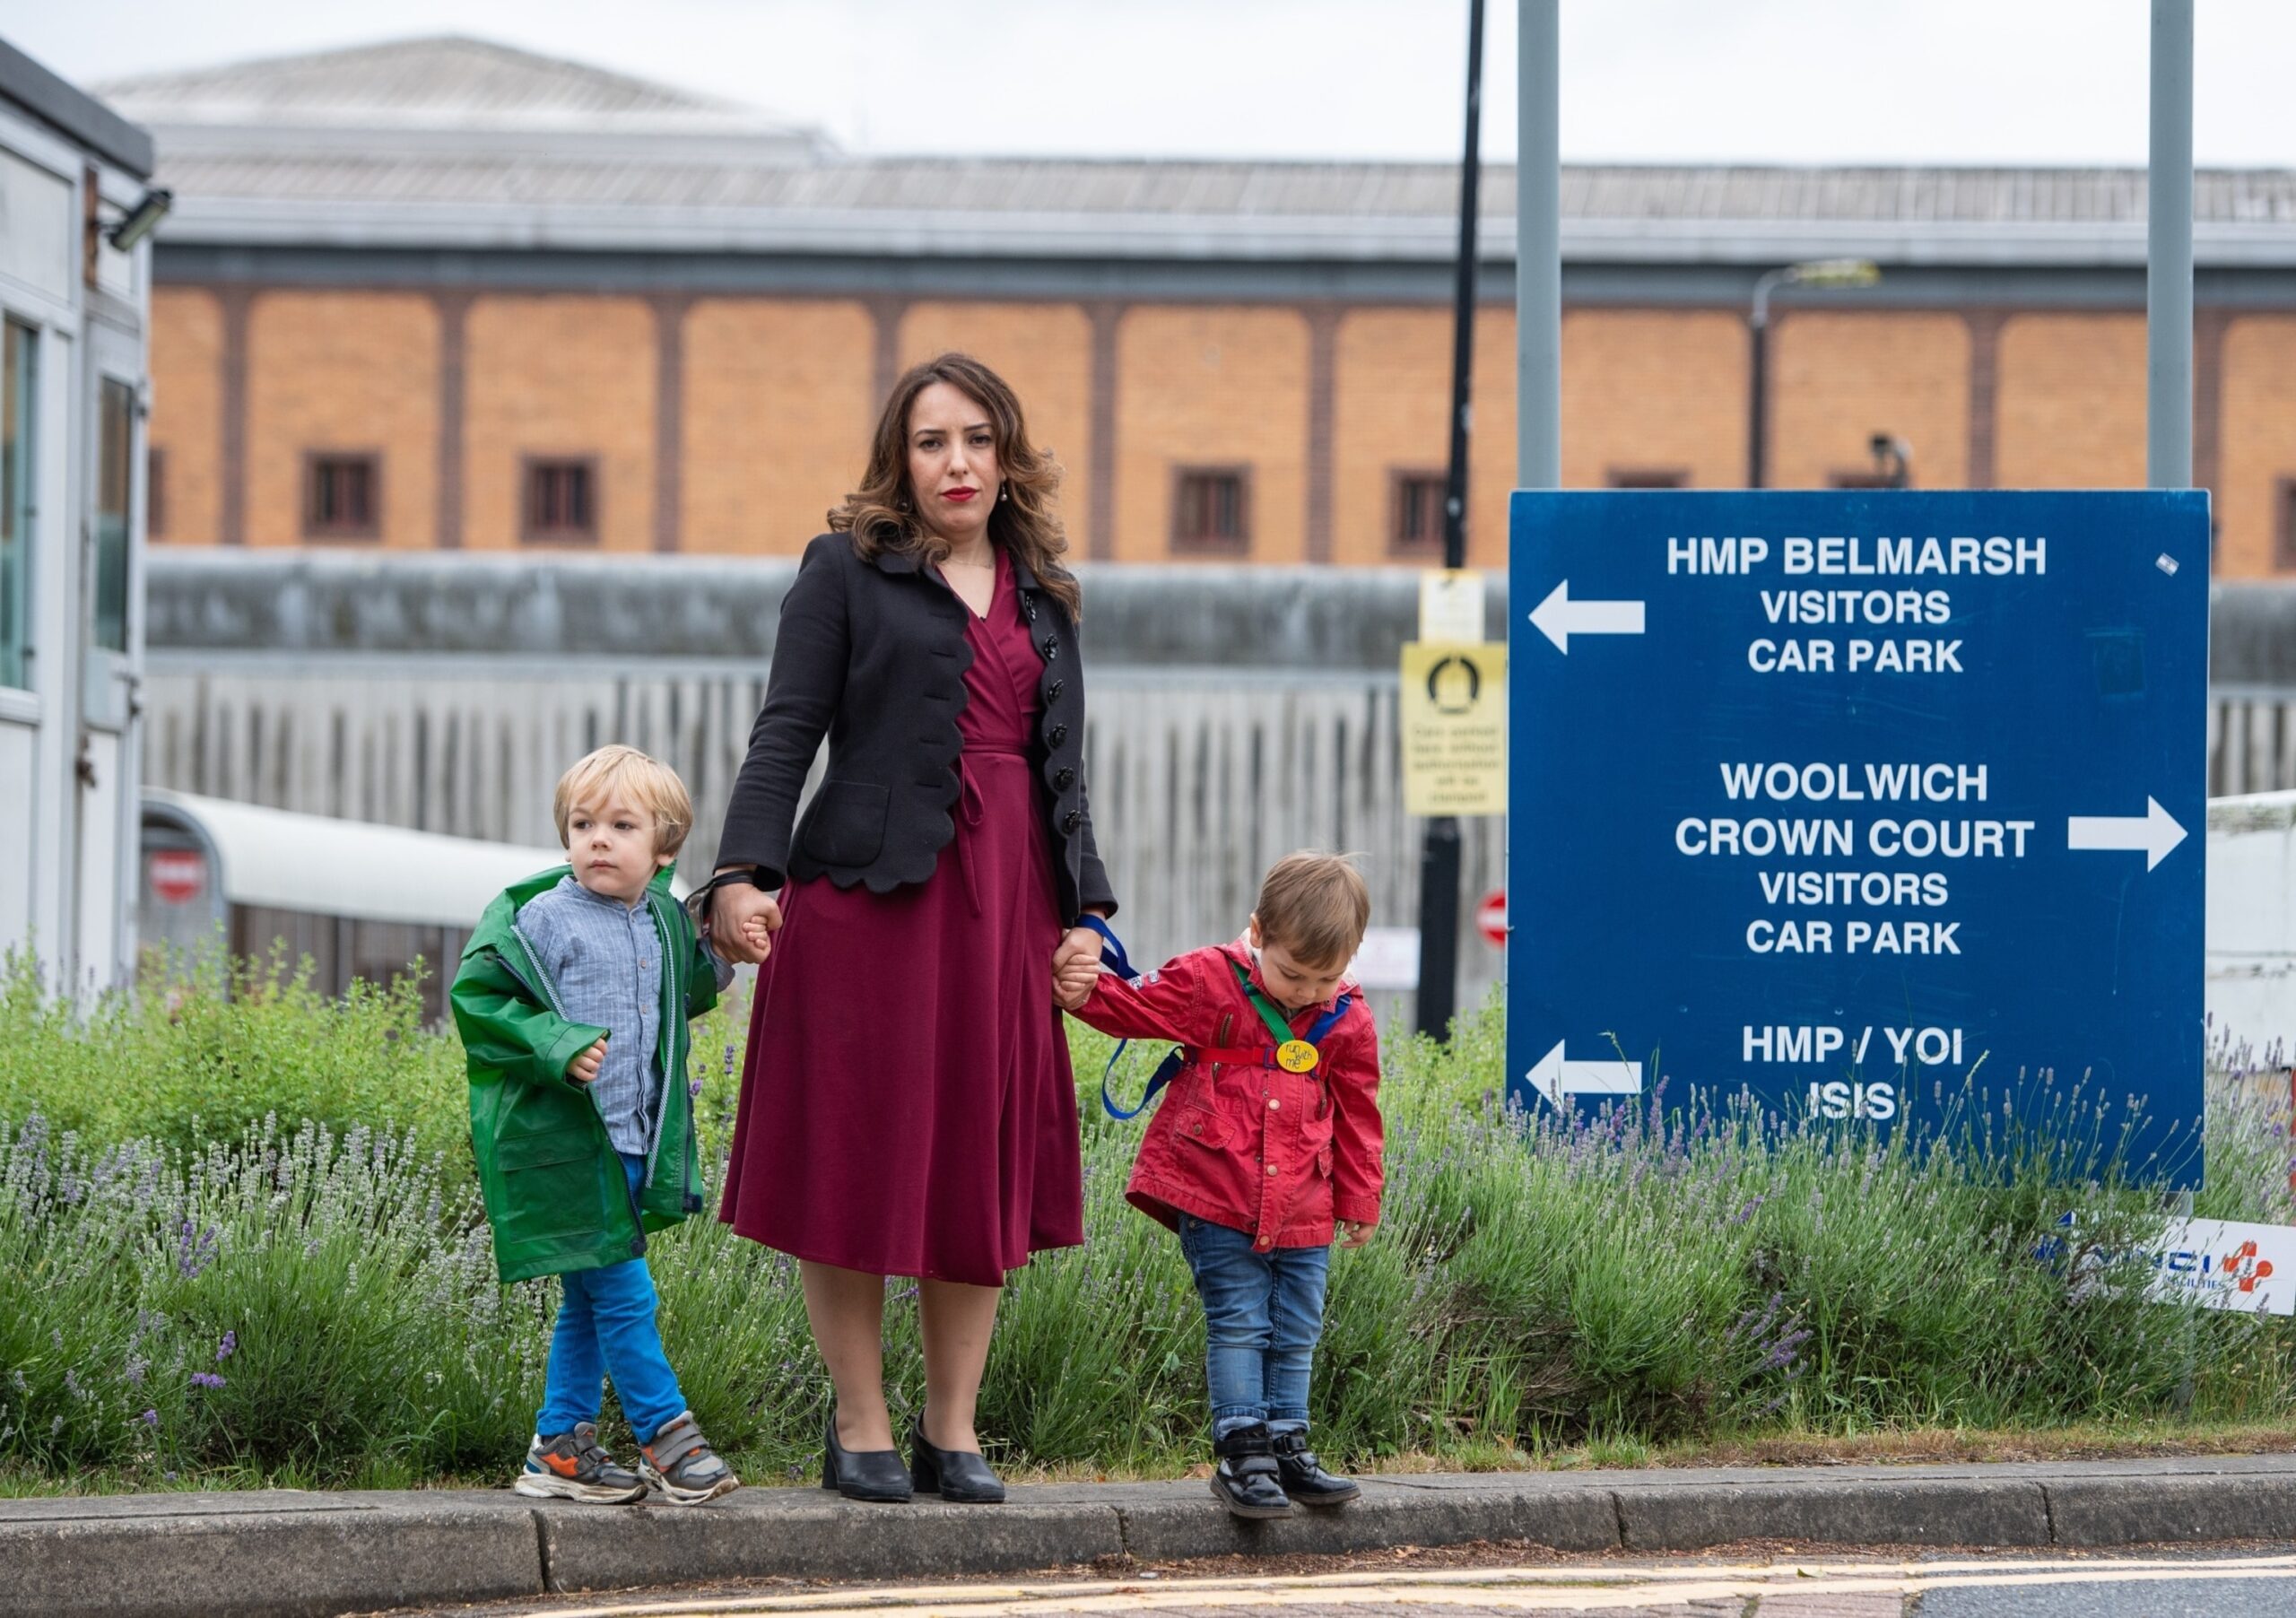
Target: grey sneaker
(683,1465)
(573,1465)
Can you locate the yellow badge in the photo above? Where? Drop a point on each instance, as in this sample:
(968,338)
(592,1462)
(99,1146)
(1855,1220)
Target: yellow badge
(1296,1056)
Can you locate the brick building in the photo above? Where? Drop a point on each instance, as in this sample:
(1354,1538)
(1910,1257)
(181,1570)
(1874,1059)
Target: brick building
(440,293)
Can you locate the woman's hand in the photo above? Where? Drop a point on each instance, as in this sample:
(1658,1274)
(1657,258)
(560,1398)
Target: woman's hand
(743,919)
(1081,944)
(1075,964)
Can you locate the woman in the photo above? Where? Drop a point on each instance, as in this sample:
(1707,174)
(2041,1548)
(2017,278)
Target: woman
(908,1108)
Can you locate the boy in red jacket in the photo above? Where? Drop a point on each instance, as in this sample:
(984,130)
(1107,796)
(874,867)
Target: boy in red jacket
(1270,1136)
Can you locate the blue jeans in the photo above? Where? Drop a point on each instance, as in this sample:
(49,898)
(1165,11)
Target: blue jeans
(1263,1313)
(606,1329)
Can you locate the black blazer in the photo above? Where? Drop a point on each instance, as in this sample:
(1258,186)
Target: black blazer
(873,654)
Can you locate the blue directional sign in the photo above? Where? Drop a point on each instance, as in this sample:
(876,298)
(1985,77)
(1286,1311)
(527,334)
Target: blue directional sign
(1855,801)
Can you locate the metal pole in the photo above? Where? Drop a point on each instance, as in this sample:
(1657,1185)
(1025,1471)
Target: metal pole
(1757,373)
(1538,248)
(1438,927)
(1454,503)
(1757,400)
(2168,253)
(1439,859)
(2168,356)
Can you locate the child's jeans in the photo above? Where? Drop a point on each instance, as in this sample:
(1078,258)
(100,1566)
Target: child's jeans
(606,1329)
(1263,1312)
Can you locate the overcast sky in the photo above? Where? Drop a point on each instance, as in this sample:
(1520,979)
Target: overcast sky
(1792,80)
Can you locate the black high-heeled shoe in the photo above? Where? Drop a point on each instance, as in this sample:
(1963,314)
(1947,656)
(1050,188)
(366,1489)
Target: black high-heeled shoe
(960,1476)
(876,1476)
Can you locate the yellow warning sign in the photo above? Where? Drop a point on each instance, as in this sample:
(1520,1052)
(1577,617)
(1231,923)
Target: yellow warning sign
(1453,719)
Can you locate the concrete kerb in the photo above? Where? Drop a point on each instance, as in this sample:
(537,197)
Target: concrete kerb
(792,1532)
(273,1555)
(2096,1512)
(1918,1511)
(283,1554)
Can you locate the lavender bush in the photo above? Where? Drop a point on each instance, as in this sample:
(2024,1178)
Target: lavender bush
(191,1291)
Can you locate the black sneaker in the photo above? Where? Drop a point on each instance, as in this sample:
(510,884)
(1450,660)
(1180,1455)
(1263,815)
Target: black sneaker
(1304,1476)
(683,1465)
(573,1465)
(1246,1481)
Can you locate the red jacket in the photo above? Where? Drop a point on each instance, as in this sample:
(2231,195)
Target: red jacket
(1279,1155)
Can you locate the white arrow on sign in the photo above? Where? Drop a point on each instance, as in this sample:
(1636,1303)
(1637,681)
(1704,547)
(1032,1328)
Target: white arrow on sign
(1558,617)
(1555,1078)
(2153,832)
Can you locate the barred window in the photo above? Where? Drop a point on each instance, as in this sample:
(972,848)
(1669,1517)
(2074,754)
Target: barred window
(1420,497)
(1212,509)
(342,495)
(561,502)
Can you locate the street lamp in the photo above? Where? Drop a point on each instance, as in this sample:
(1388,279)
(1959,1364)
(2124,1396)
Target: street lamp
(1892,460)
(140,220)
(1814,273)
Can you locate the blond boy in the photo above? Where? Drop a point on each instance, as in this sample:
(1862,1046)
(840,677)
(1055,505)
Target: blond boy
(572,1001)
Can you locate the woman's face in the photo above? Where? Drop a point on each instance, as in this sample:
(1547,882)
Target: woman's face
(952,469)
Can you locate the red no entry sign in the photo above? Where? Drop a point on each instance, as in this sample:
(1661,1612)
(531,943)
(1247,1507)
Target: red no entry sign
(177,875)
(1491,918)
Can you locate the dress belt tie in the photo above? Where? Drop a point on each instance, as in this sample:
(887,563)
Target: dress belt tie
(973,810)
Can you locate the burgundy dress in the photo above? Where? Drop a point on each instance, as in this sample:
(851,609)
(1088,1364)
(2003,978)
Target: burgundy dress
(908,1108)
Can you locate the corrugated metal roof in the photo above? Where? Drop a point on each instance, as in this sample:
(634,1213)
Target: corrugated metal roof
(2087,196)
(461,143)
(440,80)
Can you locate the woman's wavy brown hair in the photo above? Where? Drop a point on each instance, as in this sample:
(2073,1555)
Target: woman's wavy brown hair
(1025,522)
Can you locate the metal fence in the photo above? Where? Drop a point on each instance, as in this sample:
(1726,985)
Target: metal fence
(2251,741)
(1200,777)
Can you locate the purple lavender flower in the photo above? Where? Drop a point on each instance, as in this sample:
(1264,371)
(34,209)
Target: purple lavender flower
(150,1418)
(227,1347)
(195,1249)
(205,1378)
(1784,1354)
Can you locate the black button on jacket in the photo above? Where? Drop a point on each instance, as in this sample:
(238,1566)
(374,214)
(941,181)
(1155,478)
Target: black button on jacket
(873,654)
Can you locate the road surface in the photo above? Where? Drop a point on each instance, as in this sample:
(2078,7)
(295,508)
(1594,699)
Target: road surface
(2248,1581)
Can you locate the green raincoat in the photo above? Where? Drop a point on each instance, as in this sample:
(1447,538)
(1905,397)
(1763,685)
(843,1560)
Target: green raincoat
(554,1188)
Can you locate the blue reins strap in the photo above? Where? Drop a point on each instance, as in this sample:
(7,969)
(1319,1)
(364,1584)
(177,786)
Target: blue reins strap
(1324,1023)
(1166,1071)
(1113,957)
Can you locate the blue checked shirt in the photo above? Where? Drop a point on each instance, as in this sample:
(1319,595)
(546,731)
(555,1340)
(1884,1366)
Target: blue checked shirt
(605,958)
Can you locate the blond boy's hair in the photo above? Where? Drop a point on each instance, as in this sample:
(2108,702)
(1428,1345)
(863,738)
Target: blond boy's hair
(645,783)
(1315,906)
